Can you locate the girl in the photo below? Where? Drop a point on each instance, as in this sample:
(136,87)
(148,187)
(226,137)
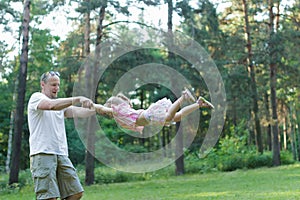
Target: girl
(161,113)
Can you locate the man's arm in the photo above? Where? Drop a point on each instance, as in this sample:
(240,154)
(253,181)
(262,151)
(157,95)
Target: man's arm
(75,111)
(61,103)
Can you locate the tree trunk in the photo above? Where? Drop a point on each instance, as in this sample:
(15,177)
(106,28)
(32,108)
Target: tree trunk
(292,130)
(10,136)
(170,16)
(179,163)
(297,133)
(93,78)
(179,151)
(285,133)
(89,156)
(164,141)
(268,117)
(19,117)
(100,25)
(87,32)
(251,68)
(169,136)
(273,79)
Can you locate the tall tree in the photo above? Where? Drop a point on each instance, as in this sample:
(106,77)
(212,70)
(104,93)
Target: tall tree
(89,155)
(19,117)
(273,56)
(5,14)
(251,68)
(179,163)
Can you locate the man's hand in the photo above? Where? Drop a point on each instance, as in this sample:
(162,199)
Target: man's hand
(86,102)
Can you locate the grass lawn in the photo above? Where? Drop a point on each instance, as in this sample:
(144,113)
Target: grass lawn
(264,183)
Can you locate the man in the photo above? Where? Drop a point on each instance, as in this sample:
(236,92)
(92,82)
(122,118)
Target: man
(53,173)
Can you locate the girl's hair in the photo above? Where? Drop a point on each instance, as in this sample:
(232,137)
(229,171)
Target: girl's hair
(118,99)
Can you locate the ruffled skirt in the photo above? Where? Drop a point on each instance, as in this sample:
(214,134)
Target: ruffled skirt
(157,112)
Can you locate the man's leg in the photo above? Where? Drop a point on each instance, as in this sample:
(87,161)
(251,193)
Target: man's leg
(43,169)
(75,196)
(69,183)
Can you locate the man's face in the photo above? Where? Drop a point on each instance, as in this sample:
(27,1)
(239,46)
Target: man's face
(51,87)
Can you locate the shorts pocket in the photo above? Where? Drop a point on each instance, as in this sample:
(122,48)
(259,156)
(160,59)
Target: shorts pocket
(40,171)
(41,179)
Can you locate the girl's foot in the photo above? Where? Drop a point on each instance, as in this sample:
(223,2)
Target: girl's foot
(187,95)
(204,103)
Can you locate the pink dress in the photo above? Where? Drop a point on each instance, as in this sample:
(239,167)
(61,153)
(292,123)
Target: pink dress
(126,117)
(157,112)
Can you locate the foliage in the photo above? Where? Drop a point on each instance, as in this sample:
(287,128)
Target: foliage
(286,158)
(233,154)
(255,160)
(193,165)
(106,176)
(25,180)
(237,185)
(220,33)
(75,144)
(5,114)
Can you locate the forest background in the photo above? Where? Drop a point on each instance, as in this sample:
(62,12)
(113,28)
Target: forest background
(254,44)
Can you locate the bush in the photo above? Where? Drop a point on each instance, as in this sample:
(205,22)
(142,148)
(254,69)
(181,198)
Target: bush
(230,154)
(286,158)
(258,160)
(231,163)
(105,175)
(194,164)
(24,179)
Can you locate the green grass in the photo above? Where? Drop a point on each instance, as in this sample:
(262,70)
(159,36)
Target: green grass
(264,183)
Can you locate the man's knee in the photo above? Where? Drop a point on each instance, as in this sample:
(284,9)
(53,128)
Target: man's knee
(75,196)
(78,196)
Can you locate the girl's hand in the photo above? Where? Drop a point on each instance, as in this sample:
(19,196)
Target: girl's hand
(99,108)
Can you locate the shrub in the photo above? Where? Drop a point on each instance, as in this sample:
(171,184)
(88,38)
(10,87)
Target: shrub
(286,158)
(258,160)
(194,164)
(231,162)
(24,179)
(105,175)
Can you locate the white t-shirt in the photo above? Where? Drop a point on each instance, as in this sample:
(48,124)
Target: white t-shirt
(46,127)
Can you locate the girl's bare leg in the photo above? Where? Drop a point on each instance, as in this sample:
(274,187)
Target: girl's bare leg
(185,111)
(201,102)
(186,96)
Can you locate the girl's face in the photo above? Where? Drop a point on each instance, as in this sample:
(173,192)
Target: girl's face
(128,102)
(117,101)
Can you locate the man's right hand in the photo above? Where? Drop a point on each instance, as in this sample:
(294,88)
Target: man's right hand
(86,102)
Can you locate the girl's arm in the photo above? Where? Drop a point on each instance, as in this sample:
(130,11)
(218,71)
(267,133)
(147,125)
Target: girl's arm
(103,110)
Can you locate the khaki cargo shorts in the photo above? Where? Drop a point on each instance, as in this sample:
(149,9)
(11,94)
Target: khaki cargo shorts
(54,176)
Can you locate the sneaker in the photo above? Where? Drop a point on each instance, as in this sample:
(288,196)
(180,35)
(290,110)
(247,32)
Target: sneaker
(204,103)
(187,95)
